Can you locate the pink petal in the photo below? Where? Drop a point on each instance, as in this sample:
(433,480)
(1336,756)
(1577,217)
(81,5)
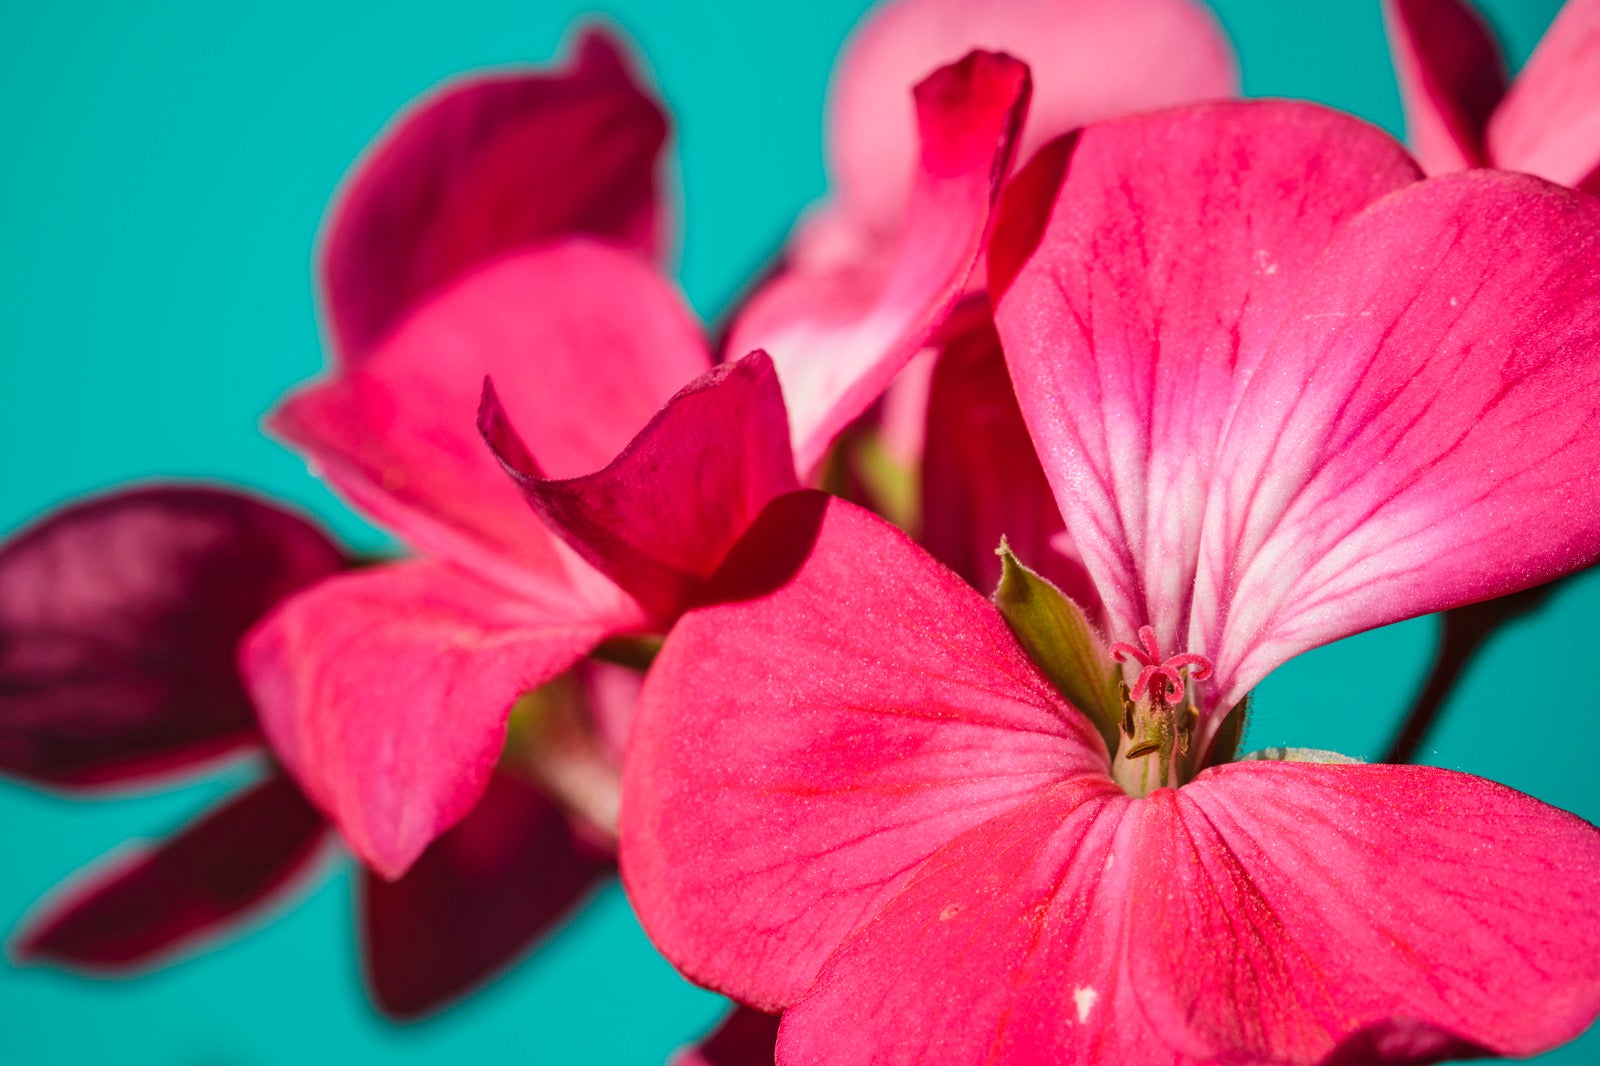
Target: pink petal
(981,479)
(386,693)
(118,623)
(397,433)
(482,167)
(1451,77)
(839,334)
(1549,124)
(744,1038)
(481,895)
(660,517)
(1305,904)
(1420,434)
(754,841)
(1151,280)
(152,902)
(1091,60)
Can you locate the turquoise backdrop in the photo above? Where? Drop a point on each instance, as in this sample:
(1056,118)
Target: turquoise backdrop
(163,168)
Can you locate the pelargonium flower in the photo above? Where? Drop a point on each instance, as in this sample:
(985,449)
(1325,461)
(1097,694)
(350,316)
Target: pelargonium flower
(1460,112)
(1282,391)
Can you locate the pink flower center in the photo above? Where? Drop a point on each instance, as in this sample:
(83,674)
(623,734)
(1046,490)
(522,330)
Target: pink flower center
(1159,676)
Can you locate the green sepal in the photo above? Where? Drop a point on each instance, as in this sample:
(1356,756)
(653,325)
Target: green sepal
(635,652)
(1299,755)
(1058,637)
(1225,745)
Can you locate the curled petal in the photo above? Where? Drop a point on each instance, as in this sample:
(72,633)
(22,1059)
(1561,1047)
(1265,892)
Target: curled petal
(1549,123)
(1452,76)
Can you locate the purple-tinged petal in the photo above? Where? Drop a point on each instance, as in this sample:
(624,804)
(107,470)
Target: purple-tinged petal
(386,694)
(745,1037)
(840,333)
(1420,434)
(1136,296)
(119,619)
(908,714)
(483,167)
(142,907)
(1549,122)
(1304,906)
(1091,60)
(660,517)
(481,895)
(1451,75)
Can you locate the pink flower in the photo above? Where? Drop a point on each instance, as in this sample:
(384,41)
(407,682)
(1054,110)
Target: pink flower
(1282,391)
(1459,112)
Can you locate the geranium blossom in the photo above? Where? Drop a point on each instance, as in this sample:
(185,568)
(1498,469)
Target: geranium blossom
(1282,390)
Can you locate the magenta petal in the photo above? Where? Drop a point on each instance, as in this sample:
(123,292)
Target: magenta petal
(863,713)
(1304,904)
(1421,433)
(1451,77)
(482,167)
(145,905)
(1091,60)
(119,619)
(1152,279)
(486,890)
(839,334)
(744,1038)
(386,693)
(660,517)
(1549,123)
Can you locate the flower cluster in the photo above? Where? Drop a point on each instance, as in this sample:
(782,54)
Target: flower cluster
(897,638)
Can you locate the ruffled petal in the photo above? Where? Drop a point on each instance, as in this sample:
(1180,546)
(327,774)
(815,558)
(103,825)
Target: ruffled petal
(386,693)
(838,333)
(1451,75)
(1141,270)
(1549,123)
(483,167)
(145,905)
(1091,60)
(481,895)
(119,619)
(1396,908)
(1421,432)
(802,748)
(659,518)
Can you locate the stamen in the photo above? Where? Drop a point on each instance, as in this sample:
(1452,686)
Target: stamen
(1159,675)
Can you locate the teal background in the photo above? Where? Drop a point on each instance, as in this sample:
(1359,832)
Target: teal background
(162,172)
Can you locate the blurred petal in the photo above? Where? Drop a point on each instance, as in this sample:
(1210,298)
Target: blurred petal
(119,619)
(481,895)
(660,517)
(908,714)
(744,1038)
(1549,124)
(1451,77)
(482,167)
(1091,60)
(838,334)
(145,905)
(386,693)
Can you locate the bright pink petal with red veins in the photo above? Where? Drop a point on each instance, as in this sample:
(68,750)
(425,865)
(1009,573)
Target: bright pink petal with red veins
(1151,280)
(661,516)
(1451,77)
(576,375)
(840,333)
(479,897)
(1549,123)
(387,692)
(1091,60)
(483,167)
(142,907)
(1421,432)
(1303,904)
(804,746)
(119,619)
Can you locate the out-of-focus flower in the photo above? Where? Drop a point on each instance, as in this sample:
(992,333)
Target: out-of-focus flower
(1282,391)
(1459,111)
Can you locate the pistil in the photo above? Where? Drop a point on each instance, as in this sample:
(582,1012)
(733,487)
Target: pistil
(1158,721)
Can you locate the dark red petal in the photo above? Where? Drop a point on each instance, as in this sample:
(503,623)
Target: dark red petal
(1451,77)
(118,623)
(480,896)
(745,1037)
(485,166)
(142,907)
